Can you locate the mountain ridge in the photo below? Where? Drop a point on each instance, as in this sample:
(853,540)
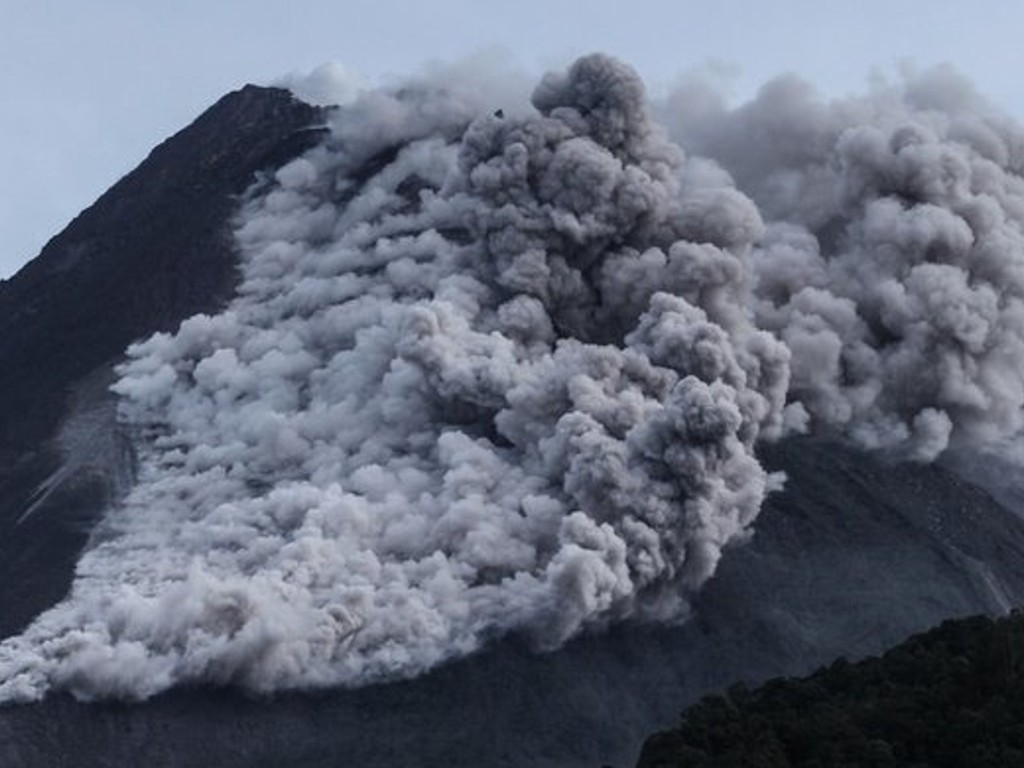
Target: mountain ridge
(150,251)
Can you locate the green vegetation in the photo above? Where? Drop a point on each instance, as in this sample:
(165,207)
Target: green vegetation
(953,696)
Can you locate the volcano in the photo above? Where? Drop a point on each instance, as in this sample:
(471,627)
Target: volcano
(453,432)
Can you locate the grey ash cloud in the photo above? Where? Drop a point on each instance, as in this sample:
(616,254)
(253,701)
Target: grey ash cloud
(891,265)
(498,365)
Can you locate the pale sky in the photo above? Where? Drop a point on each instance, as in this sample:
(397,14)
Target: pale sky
(89,87)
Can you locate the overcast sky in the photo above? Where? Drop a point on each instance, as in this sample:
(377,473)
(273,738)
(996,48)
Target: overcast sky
(90,87)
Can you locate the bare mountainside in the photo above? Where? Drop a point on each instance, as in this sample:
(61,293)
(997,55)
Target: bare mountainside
(151,251)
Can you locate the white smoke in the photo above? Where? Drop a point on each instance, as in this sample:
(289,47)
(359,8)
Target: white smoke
(499,366)
(329,85)
(487,373)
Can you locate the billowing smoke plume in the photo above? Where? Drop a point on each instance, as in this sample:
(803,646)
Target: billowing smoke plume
(485,374)
(893,263)
(499,367)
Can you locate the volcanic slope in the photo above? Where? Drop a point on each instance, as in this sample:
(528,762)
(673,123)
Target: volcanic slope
(852,556)
(157,247)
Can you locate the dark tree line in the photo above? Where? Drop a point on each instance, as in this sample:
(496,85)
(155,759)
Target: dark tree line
(952,697)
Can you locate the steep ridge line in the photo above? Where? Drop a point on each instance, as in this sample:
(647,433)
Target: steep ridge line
(153,249)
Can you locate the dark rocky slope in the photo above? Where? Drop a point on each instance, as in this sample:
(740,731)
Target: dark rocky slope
(852,557)
(153,249)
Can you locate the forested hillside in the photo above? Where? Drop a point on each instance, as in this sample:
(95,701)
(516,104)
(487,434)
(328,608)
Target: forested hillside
(950,697)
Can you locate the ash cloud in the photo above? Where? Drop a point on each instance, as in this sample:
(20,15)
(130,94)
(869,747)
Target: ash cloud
(484,375)
(498,365)
(891,264)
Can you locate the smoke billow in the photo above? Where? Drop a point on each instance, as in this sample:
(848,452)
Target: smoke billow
(499,366)
(893,263)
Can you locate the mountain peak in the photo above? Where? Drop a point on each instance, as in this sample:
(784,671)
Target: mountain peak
(153,249)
